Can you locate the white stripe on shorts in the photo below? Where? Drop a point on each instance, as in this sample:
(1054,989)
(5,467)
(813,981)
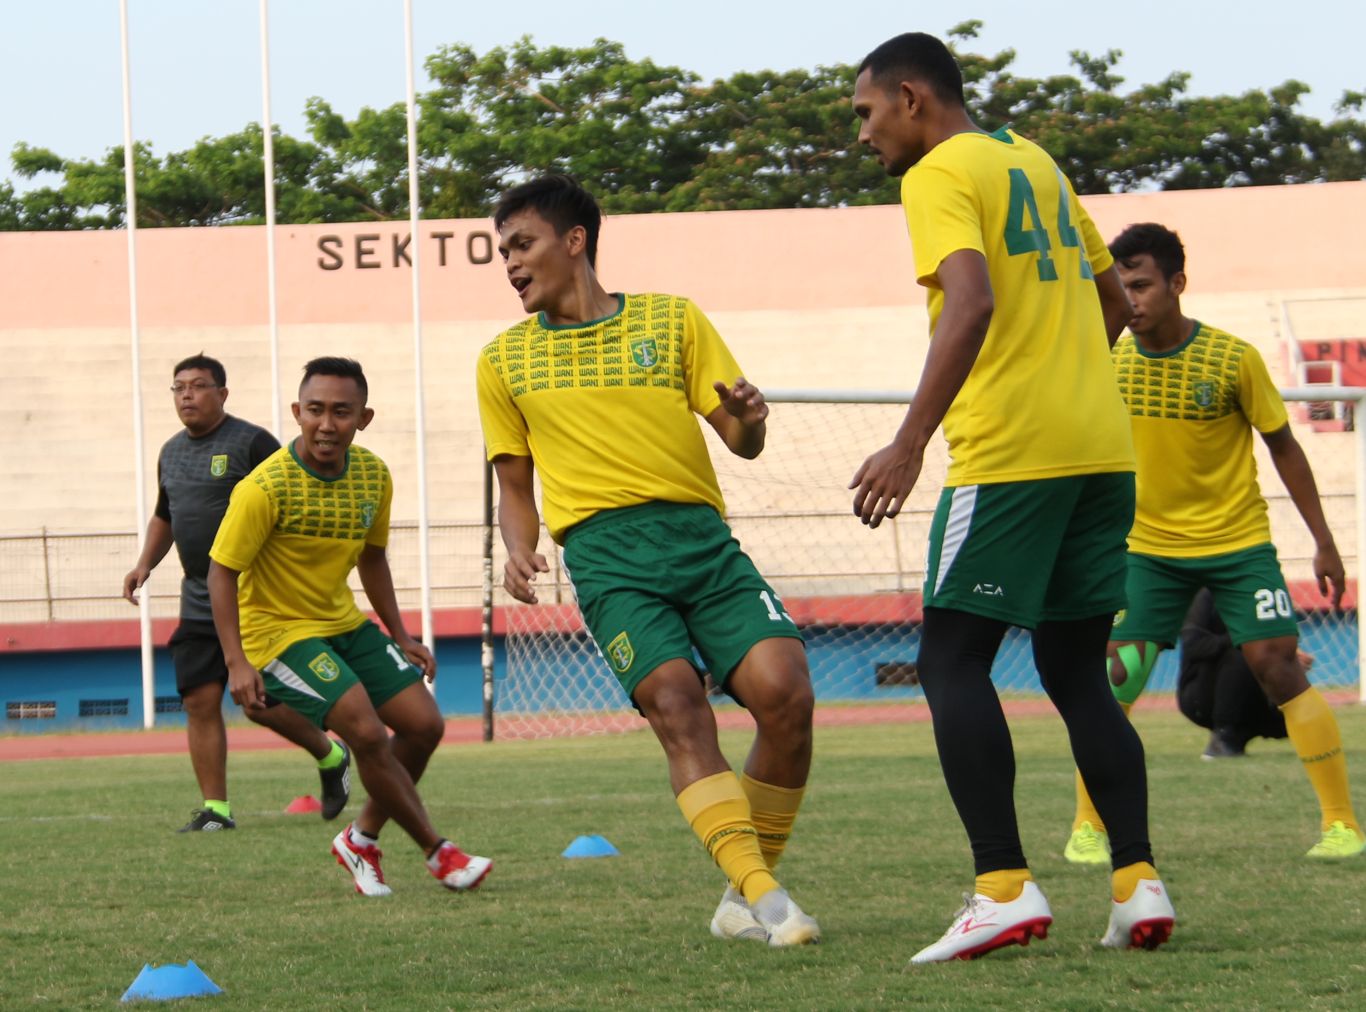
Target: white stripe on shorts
(279,669)
(961,504)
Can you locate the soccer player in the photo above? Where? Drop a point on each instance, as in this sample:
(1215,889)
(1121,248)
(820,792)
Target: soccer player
(1029,530)
(296,527)
(1195,394)
(597,391)
(196,472)
(1216,689)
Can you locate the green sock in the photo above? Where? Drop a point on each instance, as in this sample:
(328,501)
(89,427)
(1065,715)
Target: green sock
(334,758)
(219,808)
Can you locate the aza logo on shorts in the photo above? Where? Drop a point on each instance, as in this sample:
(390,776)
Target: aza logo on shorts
(367,514)
(644,353)
(218,465)
(324,667)
(1202,391)
(621,654)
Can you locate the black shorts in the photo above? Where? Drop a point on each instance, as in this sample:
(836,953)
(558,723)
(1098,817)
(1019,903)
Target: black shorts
(197,655)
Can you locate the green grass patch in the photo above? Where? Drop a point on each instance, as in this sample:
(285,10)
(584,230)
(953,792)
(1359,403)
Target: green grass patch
(98,883)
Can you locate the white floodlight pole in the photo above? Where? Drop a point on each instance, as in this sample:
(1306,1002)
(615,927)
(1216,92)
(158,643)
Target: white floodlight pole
(268,152)
(420,422)
(1358,420)
(139,437)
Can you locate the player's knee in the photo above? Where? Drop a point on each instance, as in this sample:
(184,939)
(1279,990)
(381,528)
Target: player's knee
(203,702)
(787,715)
(1130,667)
(366,738)
(427,732)
(1276,665)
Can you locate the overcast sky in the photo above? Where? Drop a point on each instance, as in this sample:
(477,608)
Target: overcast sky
(196,63)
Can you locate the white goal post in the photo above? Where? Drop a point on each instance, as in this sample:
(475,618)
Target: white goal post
(856,592)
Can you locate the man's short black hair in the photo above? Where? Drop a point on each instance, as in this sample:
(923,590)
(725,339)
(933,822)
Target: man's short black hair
(1158,241)
(330,365)
(560,200)
(916,56)
(201,361)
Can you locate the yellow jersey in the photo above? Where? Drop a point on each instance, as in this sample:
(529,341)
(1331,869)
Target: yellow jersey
(295,536)
(607,409)
(1041,400)
(1193,410)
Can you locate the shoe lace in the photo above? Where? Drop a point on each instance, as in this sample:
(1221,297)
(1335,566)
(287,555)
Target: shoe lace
(1087,839)
(971,904)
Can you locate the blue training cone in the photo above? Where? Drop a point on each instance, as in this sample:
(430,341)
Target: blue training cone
(163,983)
(590,846)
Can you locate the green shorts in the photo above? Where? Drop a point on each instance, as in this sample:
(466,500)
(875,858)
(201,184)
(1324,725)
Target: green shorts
(1248,587)
(655,580)
(312,674)
(1027,552)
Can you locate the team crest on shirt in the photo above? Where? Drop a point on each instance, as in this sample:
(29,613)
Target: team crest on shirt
(644,353)
(218,465)
(367,513)
(1203,392)
(325,668)
(621,654)
(1119,616)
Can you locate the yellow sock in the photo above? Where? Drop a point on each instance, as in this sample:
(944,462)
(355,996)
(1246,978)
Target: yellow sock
(773,810)
(718,812)
(1125,880)
(1086,808)
(1314,732)
(1003,886)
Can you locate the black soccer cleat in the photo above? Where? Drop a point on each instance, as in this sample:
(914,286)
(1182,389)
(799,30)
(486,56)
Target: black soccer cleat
(336,785)
(1223,744)
(206,821)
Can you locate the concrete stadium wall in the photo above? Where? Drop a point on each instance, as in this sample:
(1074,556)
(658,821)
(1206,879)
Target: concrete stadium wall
(807,298)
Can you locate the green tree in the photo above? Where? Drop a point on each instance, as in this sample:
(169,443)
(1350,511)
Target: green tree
(646,137)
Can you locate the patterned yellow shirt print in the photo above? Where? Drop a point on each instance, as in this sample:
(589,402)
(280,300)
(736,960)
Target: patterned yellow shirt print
(1199,383)
(1193,411)
(344,509)
(642,348)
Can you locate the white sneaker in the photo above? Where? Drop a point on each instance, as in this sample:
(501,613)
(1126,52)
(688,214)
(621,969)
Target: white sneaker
(457,870)
(735,919)
(784,920)
(362,863)
(985,924)
(1143,921)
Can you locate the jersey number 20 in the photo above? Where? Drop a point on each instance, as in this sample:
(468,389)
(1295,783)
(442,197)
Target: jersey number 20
(1030,235)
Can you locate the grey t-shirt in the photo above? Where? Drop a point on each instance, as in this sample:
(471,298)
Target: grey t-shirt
(196,478)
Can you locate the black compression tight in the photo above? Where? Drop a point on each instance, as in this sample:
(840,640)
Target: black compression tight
(975,751)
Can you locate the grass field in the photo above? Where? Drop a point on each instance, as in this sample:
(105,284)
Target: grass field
(99,884)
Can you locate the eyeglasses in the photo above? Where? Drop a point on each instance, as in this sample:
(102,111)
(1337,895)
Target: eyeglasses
(197,387)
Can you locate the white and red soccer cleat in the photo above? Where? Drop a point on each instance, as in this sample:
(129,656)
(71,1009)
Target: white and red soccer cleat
(1143,921)
(456,869)
(985,924)
(362,863)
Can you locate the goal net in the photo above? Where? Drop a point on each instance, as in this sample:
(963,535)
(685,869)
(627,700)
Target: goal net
(854,591)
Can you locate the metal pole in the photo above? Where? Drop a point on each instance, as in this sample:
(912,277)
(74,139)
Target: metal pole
(419,403)
(139,437)
(486,623)
(268,152)
(1357,422)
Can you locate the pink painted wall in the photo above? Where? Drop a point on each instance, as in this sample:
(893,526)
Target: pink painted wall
(1298,237)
